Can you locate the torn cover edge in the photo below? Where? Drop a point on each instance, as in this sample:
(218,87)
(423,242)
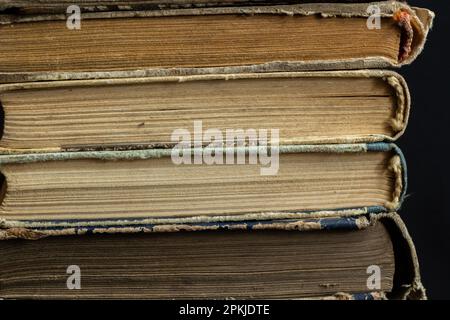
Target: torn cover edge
(399,121)
(397,164)
(407,281)
(420,20)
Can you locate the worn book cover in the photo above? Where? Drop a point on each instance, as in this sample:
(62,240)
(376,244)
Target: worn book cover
(210,40)
(306,108)
(77,190)
(327,258)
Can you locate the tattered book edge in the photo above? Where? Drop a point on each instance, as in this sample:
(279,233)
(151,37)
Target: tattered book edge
(409,287)
(124,225)
(412,287)
(420,21)
(397,163)
(397,82)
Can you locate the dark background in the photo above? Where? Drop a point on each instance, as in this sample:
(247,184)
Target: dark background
(426,210)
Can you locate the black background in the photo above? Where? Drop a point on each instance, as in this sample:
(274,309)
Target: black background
(426,210)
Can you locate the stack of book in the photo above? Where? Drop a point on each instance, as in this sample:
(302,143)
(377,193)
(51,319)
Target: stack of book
(196,149)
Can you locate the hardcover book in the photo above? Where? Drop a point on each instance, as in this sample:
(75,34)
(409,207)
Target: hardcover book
(74,189)
(210,40)
(328,258)
(306,108)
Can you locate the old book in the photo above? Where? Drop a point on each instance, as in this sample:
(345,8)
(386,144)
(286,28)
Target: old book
(333,258)
(209,40)
(116,187)
(306,107)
